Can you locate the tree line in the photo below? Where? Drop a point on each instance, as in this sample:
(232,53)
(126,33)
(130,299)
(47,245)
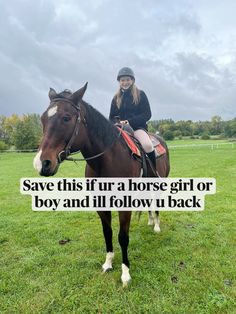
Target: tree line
(20,132)
(25,132)
(170,129)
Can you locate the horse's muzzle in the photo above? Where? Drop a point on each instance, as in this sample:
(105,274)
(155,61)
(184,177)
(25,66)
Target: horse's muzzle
(47,169)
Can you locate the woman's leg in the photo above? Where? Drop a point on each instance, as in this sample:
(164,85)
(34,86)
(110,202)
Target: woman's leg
(144,139)
(146,142)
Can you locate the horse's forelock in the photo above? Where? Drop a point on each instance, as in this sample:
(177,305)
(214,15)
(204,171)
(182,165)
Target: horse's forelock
(65,94)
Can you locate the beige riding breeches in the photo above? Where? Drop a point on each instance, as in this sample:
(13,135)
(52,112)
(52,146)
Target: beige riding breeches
(144,139)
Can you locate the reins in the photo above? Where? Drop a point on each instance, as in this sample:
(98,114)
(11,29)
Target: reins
(92,157)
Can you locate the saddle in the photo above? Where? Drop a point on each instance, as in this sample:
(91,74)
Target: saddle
(135,146)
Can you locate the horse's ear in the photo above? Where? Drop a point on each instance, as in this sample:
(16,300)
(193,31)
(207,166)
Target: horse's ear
(52,93)
(78,95)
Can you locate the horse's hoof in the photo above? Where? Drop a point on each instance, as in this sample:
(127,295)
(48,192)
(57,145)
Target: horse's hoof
(126,283)
(106,270)
(125,277)
(157,229)
(107,266)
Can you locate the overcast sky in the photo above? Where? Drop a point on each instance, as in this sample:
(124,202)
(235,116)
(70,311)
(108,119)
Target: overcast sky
(183,53)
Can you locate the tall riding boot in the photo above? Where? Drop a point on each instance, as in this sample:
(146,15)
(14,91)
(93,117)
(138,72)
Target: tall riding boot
(152,157)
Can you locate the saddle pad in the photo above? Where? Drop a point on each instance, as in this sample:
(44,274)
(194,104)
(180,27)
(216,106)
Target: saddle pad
(154,140)
(160,149)
(130,143)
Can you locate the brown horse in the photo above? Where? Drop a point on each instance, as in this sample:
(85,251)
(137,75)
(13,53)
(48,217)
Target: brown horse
(69,125)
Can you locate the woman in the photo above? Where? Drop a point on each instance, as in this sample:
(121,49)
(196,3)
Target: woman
(130,105)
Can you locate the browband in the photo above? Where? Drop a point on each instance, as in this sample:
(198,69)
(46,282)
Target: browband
(66,100)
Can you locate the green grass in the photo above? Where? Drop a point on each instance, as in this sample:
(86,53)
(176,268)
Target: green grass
(197,142)
(188,268)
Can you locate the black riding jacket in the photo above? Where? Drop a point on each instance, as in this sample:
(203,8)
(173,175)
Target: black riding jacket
(137,115)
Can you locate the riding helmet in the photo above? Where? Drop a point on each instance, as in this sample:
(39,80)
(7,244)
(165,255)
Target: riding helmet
(125,72)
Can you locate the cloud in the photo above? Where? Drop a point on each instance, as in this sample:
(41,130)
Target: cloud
(185,67)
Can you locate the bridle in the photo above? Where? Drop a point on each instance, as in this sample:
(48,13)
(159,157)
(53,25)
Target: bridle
(66,152)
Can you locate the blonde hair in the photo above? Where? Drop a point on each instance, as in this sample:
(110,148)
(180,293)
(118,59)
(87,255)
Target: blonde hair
(135,93)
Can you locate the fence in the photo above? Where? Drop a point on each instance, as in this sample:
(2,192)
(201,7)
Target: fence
(210,145)
(18,150)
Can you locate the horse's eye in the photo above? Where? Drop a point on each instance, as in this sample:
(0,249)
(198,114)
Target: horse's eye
(66,119)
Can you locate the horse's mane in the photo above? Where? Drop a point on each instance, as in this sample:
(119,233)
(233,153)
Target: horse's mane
(98,126)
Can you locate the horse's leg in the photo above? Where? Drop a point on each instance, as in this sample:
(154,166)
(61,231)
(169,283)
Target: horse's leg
(156,222)
(123,237)
(107,231)
(150,218)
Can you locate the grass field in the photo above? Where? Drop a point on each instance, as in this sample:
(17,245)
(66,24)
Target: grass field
(188,268)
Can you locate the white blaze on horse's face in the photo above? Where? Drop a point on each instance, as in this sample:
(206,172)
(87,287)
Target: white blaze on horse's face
(52,111)
(37,161)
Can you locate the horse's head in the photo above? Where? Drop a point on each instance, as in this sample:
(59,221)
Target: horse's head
(60,122)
